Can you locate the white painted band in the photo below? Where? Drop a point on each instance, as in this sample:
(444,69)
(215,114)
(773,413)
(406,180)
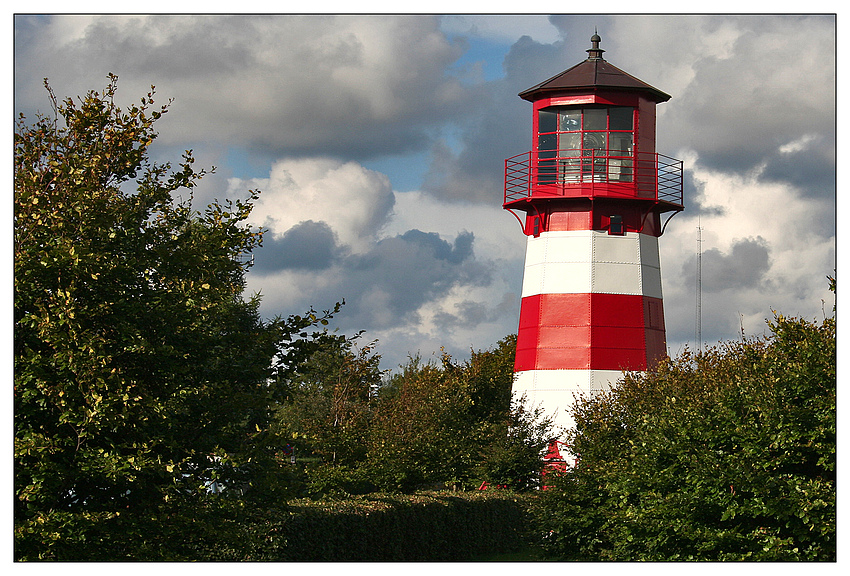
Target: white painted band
(590,261)
(556,390)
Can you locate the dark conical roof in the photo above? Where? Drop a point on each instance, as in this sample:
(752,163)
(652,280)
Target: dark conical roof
(593,74)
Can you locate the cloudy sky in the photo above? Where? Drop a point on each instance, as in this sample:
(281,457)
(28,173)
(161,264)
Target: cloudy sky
(378,143)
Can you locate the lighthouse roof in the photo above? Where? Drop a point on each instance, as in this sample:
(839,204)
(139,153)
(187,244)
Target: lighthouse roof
(592,75)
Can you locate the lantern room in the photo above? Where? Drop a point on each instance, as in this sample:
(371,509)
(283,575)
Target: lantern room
(593,148)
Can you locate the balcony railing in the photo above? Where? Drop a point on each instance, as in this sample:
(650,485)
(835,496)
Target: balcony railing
(568,173)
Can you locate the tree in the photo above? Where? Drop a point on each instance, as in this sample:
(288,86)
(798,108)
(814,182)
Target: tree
(455,424)
(724,455)
(328,406)
(512,458)
(140,371)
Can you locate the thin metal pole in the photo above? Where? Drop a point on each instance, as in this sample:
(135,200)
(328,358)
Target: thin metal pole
(698,327)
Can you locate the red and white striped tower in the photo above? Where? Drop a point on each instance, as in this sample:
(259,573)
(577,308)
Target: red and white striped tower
(593,191)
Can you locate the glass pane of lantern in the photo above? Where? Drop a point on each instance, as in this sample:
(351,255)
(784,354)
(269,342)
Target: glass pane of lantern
(620,118)
(570,120)
(546,170)
(547,121)
(594,140)
(595,118)
(570,144)
(620,169)
(547,141)
(569,170)
(620,143)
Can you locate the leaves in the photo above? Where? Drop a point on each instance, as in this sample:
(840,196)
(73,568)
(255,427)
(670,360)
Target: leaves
(140,369)
(329,403)
(144,377)
(455,424)
(741,466)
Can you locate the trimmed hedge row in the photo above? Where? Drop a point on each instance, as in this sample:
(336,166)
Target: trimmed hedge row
(430,527)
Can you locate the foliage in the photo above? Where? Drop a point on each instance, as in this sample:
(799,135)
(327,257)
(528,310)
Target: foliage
(378,528)
(328,405)
(145,383)
(431,527)
(724,455)
(141,373)
(513,454)
(429,425)
(454,424)
(183,528)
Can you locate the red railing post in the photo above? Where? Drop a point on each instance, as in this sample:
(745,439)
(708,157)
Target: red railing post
(656,177)
(505,192)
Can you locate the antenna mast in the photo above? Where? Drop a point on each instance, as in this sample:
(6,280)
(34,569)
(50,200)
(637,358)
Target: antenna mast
(698,327)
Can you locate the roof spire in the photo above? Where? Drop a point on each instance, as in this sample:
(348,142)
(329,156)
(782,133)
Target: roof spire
(595,52)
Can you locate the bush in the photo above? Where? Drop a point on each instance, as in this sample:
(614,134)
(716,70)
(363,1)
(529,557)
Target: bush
(455,424)
(342,480)
(423,527)
(724,455)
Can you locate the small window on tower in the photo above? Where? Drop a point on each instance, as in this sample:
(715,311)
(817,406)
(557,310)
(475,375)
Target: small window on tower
(535,226)
(615,226)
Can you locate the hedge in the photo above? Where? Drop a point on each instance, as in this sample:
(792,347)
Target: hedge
(430,527)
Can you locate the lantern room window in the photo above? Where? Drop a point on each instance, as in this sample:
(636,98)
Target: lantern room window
(585,144)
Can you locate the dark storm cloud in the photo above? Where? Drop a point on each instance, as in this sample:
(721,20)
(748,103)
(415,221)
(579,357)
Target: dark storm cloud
(811,170)
(385,286)
(439,248)
(415,267)
(757,93)
(744,266)
(382,287)
(348,86)
(185,47)
(306,246)
(548,59)
(470,314)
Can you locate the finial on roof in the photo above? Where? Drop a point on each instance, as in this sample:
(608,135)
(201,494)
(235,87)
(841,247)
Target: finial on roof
(595,52)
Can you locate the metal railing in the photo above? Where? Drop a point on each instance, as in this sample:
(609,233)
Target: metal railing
(518,177)
(577,173)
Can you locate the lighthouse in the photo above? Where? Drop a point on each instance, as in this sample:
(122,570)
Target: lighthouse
(592,197)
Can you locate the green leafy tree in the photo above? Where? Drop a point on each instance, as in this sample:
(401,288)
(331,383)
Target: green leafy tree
(454,424)
(428,428)
(328,407)
(141,373)
(724,455)
(512,458)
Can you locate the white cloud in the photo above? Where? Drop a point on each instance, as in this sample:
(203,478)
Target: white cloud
(402,263)
(497,233)
(797,145)
(354,201)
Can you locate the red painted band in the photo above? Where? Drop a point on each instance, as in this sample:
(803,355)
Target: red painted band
(569,218)
(589,332)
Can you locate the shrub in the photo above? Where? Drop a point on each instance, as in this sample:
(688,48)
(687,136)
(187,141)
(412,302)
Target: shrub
(724,455)
(422,527)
